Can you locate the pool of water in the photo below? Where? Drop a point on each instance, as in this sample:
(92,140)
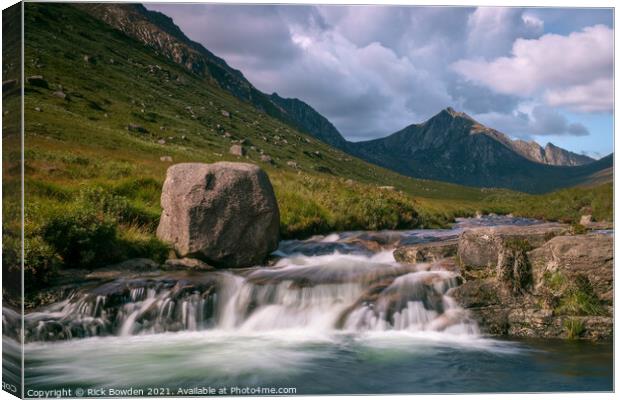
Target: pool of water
(387,362)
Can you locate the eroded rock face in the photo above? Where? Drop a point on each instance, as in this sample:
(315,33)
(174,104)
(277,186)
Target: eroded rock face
(426,252)
(539,286)
(224,213)
(589,256)
(480,248)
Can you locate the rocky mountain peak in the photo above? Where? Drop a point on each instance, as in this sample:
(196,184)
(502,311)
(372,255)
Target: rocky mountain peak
(449,111)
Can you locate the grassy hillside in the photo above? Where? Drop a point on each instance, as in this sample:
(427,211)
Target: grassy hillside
(93,184)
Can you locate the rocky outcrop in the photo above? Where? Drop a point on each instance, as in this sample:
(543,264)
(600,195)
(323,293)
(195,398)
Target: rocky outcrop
(481,248)
(426,252)
(224,214)
(577,257)
(537,281)
(528,281)
(550,154)
(555,155)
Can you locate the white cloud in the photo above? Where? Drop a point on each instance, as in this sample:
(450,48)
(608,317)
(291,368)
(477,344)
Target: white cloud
(592,97)
(573,71)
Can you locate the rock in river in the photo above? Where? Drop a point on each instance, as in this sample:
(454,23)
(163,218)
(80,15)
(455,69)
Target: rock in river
(481,247)
(425,252)
(224,213)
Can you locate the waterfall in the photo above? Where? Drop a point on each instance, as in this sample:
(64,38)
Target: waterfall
(319,293)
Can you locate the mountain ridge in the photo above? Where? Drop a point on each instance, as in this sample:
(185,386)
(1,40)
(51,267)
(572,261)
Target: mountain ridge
(453,147)
(159,32)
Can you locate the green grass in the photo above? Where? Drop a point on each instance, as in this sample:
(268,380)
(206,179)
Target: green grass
(573,296)
(566,205)
(574,328)
(95,184)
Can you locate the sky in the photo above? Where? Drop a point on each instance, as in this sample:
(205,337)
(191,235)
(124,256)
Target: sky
(543,74)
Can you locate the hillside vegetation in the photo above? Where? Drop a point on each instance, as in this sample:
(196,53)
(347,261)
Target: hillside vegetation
(110,116)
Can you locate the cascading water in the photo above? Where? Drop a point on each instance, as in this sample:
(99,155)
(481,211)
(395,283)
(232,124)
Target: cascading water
(336,291)
(334,314)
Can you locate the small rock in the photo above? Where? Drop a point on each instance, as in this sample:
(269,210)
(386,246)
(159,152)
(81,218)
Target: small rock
(165,158)
(136,128)
(266,158)
(38,109)
(9,84)
(585,220)
(292,164)
(161,141)
(391,188)
(37,80)
(225,113)
(237,150)
(60,94)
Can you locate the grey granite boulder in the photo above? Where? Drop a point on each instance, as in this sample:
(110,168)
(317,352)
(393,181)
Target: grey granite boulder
(224,213)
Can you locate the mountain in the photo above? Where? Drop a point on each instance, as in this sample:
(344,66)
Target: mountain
(550,154)
(453,147)
(159,32)
(311,121)
(450,147)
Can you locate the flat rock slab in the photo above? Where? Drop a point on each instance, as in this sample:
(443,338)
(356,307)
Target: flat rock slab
(426,252)
(186,264)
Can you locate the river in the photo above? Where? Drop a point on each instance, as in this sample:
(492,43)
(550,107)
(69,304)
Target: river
(333,314)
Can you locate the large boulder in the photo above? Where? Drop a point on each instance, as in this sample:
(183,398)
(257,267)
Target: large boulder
(224,213)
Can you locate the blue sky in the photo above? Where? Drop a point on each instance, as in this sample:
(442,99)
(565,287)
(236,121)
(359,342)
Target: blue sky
(543,74)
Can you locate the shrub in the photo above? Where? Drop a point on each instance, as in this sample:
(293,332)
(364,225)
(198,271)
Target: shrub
(579,299)
(574,328)
(81,236)
(40,263)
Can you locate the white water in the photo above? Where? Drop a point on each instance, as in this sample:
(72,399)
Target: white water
(318,294)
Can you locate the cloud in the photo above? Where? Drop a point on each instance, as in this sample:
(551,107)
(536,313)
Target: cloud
(373,70)
(539,121)
(591,97)
(501,24)
(547,121)
(573,71)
